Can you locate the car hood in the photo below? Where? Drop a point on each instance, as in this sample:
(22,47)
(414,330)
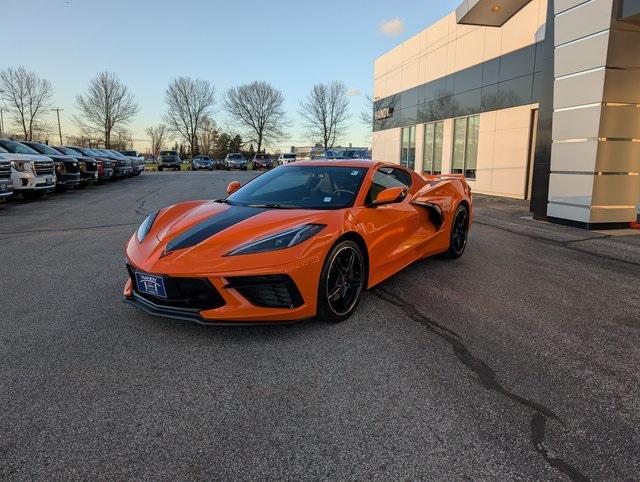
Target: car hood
(186,233)
(26,157)
(63,158)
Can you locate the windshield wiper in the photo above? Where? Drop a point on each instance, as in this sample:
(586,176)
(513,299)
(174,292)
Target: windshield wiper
(224,201)
(272,205)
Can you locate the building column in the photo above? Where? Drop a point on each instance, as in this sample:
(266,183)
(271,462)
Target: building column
(595,155)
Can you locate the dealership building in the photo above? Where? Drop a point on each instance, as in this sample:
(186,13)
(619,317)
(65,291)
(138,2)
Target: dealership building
(529,99)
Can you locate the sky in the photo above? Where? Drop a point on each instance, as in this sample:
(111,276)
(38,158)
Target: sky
(147,43)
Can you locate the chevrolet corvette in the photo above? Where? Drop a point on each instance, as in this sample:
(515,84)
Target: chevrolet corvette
(300,241)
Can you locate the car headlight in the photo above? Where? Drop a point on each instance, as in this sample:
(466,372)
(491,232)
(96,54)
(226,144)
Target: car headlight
(20,166)
(282,240)
(145,227)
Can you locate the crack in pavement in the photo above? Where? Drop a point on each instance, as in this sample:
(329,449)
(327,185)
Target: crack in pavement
(488,379)
(141,209)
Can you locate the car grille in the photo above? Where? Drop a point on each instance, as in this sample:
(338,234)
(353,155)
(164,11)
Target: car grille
(270,291)
(5,171)
(43,167)
(70,168)
(190,293)
(90,166)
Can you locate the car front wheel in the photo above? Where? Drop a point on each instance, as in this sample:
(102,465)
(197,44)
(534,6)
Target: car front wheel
(341,282)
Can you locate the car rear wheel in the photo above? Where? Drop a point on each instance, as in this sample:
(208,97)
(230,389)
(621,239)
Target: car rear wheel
(160,168)
(341,282)
(459,233)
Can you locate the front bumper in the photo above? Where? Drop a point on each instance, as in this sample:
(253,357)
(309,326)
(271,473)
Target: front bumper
(27,181)
(123,171)
(88,177)
(239,305)
(107,173)
(189,315)
(68,180)
(6,188)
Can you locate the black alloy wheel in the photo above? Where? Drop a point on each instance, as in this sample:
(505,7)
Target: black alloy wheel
(341,282)
(459,232)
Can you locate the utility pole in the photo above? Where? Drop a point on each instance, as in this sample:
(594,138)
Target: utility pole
(57,111)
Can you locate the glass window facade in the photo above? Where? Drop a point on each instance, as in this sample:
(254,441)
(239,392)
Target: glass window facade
(408,149)
(508,81)
(466,131)
(432,152)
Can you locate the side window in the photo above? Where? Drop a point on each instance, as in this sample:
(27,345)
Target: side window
(386,177)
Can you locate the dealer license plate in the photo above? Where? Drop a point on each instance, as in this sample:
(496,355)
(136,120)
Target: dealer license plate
(151,285)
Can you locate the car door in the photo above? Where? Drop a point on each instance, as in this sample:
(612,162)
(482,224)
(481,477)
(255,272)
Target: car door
(394,231)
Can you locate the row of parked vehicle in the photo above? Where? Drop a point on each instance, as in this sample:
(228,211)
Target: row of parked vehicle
(30,169)
(236,160)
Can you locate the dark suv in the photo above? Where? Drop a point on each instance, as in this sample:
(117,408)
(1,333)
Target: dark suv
(169,160)
(67,167)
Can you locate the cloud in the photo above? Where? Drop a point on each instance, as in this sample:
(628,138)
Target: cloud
(354,92)
(392,28)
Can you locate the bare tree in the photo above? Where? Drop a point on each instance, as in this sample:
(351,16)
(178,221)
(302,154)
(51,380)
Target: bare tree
(123,140)
(367,115)
(27,97)
(189,101)
(258,108)
(158,135)
(80,141)
(208,136)
(108,105)
(326,112)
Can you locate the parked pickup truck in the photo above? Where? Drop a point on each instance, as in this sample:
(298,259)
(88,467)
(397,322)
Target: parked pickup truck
(31,173)
(105,167)
(67,167)
(6,186)
(169,160)
(137,159)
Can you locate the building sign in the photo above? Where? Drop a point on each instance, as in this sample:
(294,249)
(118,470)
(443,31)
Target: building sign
(384,113)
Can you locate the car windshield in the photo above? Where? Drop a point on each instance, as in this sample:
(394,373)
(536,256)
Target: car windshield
(43,149)
(302,187)
(235,156)
(67,151)
(16,147)
(168,153)
(289,156)
(117,155)
(130,153)
(2,149)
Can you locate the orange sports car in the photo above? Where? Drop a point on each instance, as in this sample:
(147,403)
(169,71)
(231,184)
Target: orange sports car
(302,240)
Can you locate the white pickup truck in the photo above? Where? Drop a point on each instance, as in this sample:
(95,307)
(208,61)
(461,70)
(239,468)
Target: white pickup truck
(32,174)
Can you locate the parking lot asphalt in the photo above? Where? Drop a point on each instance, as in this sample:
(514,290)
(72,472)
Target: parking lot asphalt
(519,360)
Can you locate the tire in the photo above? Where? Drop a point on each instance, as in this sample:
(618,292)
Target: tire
(160,168)
(347,283)
(459,233)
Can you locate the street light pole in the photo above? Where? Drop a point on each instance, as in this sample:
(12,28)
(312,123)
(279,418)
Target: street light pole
(57,111)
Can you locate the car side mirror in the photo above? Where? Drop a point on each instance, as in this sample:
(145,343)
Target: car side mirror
(390,195)
(233,187)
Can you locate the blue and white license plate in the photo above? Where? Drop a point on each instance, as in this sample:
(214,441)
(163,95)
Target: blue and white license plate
(151,285)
